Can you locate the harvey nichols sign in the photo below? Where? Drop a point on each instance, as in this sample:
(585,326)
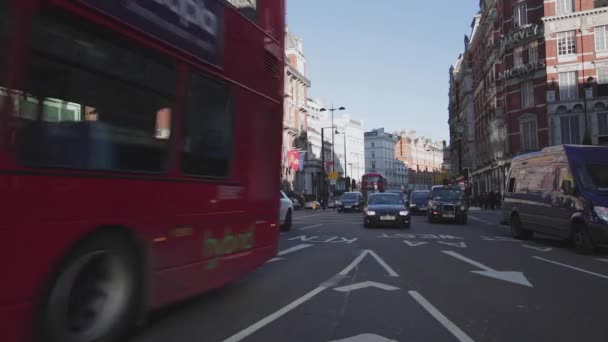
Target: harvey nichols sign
(520,36)
(521,70)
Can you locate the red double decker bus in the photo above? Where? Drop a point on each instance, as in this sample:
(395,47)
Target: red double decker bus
(124,185)
(372,182)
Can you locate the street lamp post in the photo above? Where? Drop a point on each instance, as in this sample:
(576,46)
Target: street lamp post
(323,187)
(587,136)
(332,110)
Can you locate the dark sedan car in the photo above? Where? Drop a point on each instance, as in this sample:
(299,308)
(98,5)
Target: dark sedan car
(447,203)
(351,201)
(386,209)
(418,202)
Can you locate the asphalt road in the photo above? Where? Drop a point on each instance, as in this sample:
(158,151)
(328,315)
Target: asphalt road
(337,281)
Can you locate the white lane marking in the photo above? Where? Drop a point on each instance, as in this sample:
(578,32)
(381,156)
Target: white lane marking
(365,284)
(601,259)
(316,225)
(510,276)
(388,269)
(414,243)
(274,259)
(365,338)
(572,267)
(293,249)
(239,336)
(480,220)
(542,249)
(454,244)
(274,316)
(455,330)
(355,262)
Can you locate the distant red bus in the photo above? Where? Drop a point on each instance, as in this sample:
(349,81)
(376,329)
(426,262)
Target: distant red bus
(373,182)
(131,164)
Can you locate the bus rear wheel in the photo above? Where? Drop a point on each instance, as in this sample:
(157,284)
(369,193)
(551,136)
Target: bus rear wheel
(96,294)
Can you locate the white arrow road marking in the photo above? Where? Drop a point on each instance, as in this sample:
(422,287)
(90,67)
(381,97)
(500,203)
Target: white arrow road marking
(365,338)
(600,259)
(350,267)
(365,284)
(572,267)
(542,249)
(241,335)
(316,225)
(453,328)
(455,244)
(414,243)
(513,277)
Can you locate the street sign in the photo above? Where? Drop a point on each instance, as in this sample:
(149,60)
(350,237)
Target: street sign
(332,181)
(333,176)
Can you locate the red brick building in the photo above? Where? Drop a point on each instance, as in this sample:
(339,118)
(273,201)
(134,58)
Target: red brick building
(577,70)
(509,84)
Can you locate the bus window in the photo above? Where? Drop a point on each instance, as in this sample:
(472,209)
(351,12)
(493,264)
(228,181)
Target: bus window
(93,101)
(208,129)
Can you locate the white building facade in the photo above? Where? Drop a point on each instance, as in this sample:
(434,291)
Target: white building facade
(348,152)
(380,158)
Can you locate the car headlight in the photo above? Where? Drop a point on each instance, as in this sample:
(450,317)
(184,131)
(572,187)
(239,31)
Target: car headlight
(403,213)
(370,213)
(601,212)
(463,208)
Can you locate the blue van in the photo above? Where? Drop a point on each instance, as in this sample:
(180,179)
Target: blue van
(560,191)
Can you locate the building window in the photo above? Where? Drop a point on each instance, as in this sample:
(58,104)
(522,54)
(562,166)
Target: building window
(529,135)
(373,145)
(602,81)
(602,123)
(601,38)
(533,52)
(568,87)
(570,129)
(527,94)
(373,155)
(565,43)
(518,58)
(373,165)
(520,15)
(563,7)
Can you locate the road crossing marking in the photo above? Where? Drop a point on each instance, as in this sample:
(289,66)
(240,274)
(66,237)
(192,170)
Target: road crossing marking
(572,267)
(453,328)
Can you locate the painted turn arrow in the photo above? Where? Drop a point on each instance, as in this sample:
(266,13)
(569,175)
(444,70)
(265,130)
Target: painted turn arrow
(510,276)
(365,338)
(365,284)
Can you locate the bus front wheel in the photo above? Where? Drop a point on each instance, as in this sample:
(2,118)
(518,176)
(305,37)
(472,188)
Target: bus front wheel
(96,294)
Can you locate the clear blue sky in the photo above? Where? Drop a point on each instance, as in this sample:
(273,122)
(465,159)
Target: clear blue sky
(387,61)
